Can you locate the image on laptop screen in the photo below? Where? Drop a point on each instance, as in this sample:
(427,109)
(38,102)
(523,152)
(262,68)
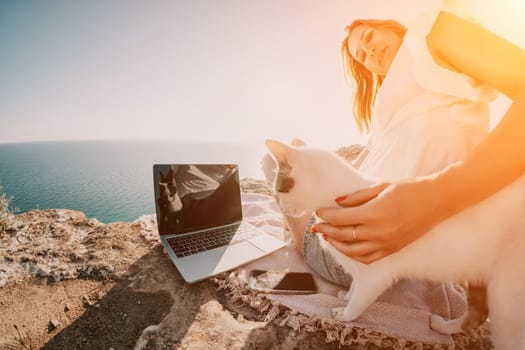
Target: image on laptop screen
(190,197)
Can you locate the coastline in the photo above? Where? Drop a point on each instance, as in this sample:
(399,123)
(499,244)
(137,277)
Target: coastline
(107,286)
(110,180)
(69,282)
(111,286)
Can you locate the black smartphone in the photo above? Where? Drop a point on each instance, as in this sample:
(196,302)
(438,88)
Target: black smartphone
(282,282)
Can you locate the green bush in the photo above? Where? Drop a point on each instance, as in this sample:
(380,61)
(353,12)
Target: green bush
(6,215)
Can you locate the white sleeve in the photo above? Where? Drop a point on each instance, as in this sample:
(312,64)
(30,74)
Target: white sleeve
(427,73)
(399,10)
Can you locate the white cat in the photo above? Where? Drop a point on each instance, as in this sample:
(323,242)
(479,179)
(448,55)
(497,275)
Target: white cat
(483,244)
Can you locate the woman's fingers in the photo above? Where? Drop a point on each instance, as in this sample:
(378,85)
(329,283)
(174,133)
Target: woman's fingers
(380,226)
(344,216)
(363,251)
(343,233)
(355,210)
(361,197)
(352,248)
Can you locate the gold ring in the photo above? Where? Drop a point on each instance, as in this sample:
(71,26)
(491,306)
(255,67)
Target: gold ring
(354,235)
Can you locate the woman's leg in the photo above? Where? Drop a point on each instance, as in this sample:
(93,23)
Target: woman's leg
(315,255)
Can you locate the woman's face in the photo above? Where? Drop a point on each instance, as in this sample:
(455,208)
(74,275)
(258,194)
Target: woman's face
(375,48)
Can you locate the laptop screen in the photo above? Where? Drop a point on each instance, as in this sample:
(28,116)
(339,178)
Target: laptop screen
(190,197)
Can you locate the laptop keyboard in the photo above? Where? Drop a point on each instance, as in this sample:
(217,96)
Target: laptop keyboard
(207,240)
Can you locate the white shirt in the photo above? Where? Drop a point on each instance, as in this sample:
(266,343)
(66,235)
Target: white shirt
(425,116)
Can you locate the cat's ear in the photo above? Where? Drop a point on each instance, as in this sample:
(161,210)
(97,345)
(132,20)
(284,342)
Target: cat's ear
(279,150)
(162,177)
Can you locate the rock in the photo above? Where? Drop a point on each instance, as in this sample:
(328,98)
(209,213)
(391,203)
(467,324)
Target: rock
(53,324)
(350,152)
(135,296)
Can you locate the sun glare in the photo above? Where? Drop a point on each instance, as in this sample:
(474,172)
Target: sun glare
(503,17)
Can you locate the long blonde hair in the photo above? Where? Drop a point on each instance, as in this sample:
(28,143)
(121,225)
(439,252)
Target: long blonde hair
(368,83)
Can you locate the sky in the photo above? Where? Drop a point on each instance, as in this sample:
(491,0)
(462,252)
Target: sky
(215,70)
(233,70)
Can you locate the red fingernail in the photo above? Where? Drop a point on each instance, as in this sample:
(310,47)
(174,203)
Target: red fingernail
(313,229)
(340,199)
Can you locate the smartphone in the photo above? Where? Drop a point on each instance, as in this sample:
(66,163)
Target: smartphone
(281,282)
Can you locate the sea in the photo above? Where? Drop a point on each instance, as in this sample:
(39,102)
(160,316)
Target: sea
(107,180)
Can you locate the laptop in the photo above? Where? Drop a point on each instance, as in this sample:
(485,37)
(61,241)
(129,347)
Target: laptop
(199,217)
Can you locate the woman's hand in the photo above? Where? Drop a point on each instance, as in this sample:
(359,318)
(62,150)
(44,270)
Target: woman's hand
(380,220)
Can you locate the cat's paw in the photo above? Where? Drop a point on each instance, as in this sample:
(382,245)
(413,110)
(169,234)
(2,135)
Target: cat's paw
(337,313)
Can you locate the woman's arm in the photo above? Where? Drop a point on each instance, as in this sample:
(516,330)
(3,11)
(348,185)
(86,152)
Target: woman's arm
(486,57)
(470,49)
(387,217)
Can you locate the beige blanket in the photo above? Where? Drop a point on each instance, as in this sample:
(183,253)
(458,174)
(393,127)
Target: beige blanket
(397,320)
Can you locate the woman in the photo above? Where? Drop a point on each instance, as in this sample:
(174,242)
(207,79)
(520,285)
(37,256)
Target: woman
(421,117)
(386,223)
